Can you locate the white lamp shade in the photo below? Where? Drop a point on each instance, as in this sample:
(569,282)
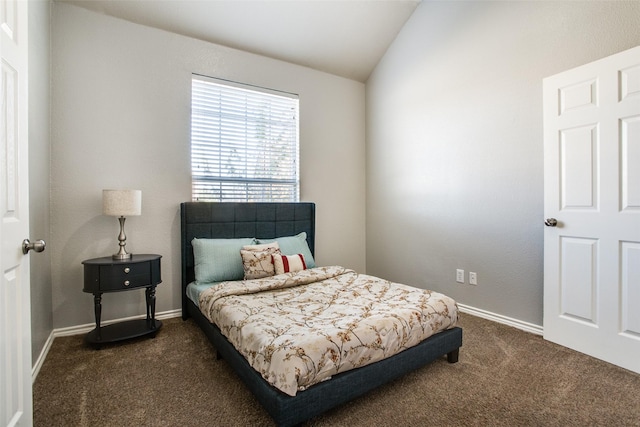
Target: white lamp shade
(122,202)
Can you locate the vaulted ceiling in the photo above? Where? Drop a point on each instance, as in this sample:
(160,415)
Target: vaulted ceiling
(342,37)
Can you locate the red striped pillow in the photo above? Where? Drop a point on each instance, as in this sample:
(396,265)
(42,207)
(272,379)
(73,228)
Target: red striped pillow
(288,263)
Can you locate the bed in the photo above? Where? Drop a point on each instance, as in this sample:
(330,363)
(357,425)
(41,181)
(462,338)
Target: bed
(204,220)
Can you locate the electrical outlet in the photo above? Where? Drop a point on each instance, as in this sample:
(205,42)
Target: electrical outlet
(460,276)
(473,278)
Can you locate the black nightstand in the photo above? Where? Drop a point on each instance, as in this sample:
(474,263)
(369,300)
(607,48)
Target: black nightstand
(109,275)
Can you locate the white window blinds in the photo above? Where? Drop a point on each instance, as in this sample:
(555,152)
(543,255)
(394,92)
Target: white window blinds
(244,143)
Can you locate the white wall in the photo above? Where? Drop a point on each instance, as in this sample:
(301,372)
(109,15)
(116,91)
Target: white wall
(120,119)
(39,172)
(454,142)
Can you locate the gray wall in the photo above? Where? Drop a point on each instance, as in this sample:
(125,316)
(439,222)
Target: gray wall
(121,119)
(39,138)
(454,142)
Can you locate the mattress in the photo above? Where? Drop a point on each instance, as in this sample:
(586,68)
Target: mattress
(298,329)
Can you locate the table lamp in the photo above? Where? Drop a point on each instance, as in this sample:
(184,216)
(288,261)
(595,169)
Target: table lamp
(122,203)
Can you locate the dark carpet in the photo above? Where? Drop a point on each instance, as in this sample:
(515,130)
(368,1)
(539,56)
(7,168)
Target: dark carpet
(505,377)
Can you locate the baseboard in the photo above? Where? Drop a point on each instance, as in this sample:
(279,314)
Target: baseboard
(83,329)
(498,318)
(35,369)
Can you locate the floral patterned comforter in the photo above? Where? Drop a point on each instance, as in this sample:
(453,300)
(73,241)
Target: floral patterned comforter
(297,329)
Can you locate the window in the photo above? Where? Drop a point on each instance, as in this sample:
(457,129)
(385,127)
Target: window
(244,143)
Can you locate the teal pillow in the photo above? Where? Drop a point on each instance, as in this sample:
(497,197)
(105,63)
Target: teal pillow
(217,260)
(293,245)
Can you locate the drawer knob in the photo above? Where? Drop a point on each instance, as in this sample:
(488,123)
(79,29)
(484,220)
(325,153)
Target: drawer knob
(126,283)
(127,269)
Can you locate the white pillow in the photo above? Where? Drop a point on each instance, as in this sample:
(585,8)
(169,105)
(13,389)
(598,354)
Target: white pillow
(288,263)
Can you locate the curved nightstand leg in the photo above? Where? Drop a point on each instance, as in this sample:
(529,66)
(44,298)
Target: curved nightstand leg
(97,308)
(150,293)
(147,297)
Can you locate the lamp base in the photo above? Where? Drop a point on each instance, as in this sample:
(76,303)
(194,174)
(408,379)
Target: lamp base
(122,239)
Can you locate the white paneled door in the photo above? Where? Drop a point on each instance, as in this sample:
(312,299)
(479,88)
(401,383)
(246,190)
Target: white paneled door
(15,329)
(592,209)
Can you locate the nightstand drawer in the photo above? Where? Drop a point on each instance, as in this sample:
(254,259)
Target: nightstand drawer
(120,273)
(125,282)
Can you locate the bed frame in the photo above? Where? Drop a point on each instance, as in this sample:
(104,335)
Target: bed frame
(269,220)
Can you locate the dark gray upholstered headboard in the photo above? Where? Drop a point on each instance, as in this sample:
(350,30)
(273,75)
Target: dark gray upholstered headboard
(213,220)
